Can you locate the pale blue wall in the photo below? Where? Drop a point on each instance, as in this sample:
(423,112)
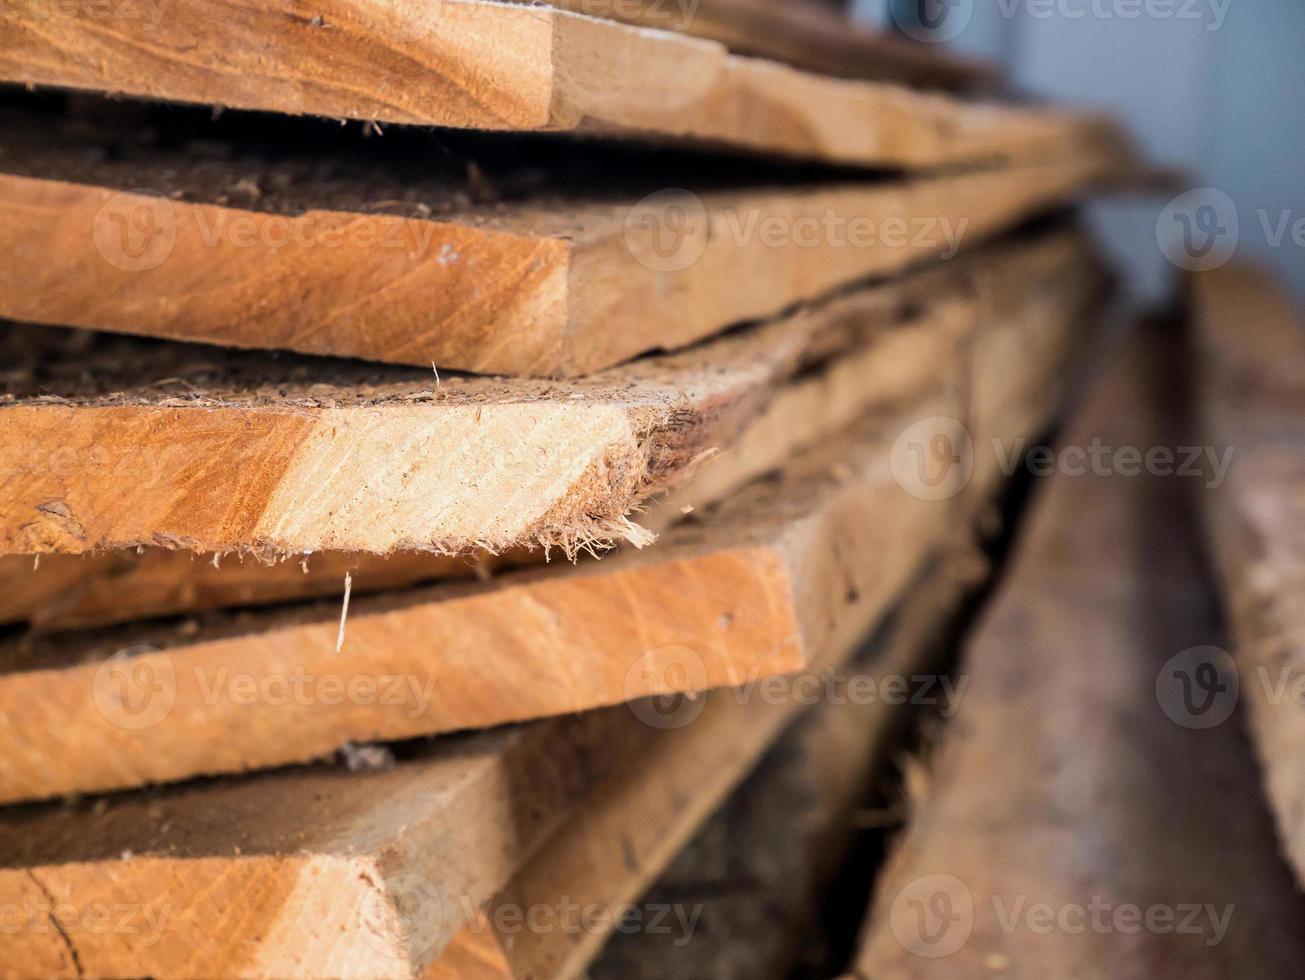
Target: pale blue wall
(1221,94)
(1256,150)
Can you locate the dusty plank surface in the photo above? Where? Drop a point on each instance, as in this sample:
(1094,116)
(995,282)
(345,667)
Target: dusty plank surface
(1063,784)
(220,451)
(404,264)
(753,587)
(299,873)
(806,35)
(476,64)
(1251,345)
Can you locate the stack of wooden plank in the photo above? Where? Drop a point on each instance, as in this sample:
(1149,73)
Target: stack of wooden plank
(489,436)
(1094,808)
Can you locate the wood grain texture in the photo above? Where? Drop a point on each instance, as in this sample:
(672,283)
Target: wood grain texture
(803,35)
(1251,347)
(753,588)
(403,858)
(236,454)
(1062,782)
(544,289)
(476,64)
(908,328)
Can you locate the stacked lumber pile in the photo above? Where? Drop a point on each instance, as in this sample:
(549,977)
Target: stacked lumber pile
(393,531)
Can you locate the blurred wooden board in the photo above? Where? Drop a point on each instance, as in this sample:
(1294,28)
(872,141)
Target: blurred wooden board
(483,65)
(1251,348)
(375,262)
(1068,780)
(314,872)
(806,35)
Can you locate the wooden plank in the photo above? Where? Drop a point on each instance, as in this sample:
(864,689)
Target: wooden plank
(315,872)
(806,35)
(222,452)
(302,873)
(369,260)
(916,325)
(1064,792)
(749,588)
(476,64)
(1251,349)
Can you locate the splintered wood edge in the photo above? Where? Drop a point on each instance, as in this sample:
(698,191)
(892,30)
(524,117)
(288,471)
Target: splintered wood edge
(519,466)
(472,64)
(566,297)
